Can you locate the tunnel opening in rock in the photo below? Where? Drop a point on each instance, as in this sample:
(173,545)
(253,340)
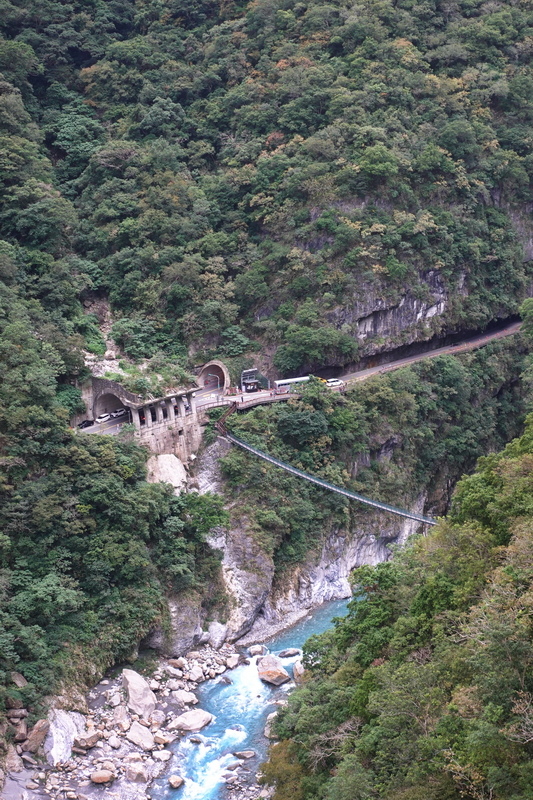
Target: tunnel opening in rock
(215,376)
(107,403)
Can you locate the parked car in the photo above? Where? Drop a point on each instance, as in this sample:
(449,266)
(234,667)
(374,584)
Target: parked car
(102,418)
(332,382)
(119,412)
(87,423)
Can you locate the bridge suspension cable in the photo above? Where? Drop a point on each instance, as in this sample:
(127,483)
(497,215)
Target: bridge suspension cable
(318,481)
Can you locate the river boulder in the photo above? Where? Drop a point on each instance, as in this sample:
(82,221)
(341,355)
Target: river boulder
(102,776)
(184,697)
(196,673)
(289,652)
(141,699)
(271,670)
(37,736)
(257,650)
(66,728)
(136,772)
(121,718)
(191,721)
(140,736)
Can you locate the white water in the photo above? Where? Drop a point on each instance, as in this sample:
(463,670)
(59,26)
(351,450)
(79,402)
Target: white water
(240,710)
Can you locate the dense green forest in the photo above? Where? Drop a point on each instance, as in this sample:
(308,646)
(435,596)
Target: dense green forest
(88,549)
(394,437)
(248,181)
(424,691)
(238,176)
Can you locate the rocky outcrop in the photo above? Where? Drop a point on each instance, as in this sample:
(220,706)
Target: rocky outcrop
(65,728)
(167,468)
(382,318)
(185,631)
(248,574)
(207,473)
(325,575)
(298,672)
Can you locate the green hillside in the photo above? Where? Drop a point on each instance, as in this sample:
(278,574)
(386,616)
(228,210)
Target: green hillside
(289,185)
(424,691)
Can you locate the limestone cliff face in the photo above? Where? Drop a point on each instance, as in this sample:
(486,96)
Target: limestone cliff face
(382,319)
(325,574)
(263,602)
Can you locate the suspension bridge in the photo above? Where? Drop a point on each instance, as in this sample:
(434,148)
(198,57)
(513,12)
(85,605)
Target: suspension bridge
(400,512)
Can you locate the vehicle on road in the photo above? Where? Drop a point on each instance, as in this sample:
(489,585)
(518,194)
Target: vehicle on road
(333,382)
(119,412)
(102,418)
(289,381)
(87,423)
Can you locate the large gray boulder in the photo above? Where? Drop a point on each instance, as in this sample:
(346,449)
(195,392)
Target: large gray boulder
(141,699)
(65,727)
(271,670)
(184,697)
(191,721)
(140,736)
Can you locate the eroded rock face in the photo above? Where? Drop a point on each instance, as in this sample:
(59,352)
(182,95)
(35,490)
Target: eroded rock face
(65,728)
(298,672)
(167,468)
(191,721)
(248,573)
(141,699)
(186,618)
(37,736)
(271,670)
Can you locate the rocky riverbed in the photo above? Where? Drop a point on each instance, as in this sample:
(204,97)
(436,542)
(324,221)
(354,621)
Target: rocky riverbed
(119,743)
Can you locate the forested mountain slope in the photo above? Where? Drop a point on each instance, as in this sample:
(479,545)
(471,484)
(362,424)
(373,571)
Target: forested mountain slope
(424,691)
(285,183)
(309,175)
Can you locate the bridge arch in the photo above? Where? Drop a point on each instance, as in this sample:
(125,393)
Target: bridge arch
(215,375)
(105,403)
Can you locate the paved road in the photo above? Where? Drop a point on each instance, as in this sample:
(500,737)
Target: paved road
(473,342)
(112,426)
(210,397)
(462,347)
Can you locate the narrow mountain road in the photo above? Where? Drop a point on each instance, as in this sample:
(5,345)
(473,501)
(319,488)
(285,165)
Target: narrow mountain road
(471,343)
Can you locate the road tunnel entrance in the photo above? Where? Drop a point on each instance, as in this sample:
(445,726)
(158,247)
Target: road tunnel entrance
(106,403)
(214,375)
